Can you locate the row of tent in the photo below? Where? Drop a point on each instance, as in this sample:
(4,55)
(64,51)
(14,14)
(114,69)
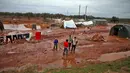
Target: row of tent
(66,24)
(72,24)
(120,30)
(17,27)
(20,27)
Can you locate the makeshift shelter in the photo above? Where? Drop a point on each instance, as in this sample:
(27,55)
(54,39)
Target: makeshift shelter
(88,23)
(1,26)
(79,20)
(69,24)
(100,22)
(57,21)
(121,30)
(15,27)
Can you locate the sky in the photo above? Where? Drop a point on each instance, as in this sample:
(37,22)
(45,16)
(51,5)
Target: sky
(98,8)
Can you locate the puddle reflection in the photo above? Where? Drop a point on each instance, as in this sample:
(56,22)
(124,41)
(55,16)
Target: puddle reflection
(69,60)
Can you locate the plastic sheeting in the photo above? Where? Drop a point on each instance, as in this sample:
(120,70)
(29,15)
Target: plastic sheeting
(78,23)
(69,24)
(15,27)
(38,27)
(88,23)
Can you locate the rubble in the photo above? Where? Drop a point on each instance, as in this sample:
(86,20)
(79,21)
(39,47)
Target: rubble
(98,37)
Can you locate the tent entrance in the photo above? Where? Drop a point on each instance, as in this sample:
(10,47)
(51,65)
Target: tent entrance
(116,30)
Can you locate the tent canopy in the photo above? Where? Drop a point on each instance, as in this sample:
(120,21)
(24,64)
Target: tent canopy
(88,23)
(69,24)
(121,30)
(15,27)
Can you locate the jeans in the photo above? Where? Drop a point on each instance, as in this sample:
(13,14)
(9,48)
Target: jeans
(65,51)
(69,46)
(73,48)
(55,47)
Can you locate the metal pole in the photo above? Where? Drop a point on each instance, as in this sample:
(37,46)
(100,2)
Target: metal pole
(79,9)
(85,12)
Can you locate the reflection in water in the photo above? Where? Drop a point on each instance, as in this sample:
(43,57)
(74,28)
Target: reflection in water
(69,60)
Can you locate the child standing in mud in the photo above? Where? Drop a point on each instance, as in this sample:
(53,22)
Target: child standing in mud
(70,41)
(74,43)
(55,45)
(66,44)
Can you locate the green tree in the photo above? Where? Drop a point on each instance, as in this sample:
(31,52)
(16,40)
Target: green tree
(114,19)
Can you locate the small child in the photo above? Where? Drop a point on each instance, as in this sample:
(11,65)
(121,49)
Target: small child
(55,45)
(66,44)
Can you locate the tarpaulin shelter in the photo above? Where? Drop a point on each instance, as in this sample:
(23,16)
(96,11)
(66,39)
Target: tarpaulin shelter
(88,23)
(69,24)
(122,30)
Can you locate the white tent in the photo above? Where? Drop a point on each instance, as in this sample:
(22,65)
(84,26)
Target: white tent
(78,23)
(15,27)
(88,23)
(38,27)
(69,24)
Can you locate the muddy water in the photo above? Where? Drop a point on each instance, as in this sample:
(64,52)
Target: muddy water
(113,56)
(65,62)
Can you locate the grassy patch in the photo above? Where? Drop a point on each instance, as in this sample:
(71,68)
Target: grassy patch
(115,66)
(24,69)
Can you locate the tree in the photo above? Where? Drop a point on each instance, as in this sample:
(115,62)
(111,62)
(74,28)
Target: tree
(114,19)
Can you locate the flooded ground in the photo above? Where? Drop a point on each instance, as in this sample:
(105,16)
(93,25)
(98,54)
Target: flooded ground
(113,56)
(40,53)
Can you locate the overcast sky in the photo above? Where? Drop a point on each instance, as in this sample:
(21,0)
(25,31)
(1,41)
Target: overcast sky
(101,8)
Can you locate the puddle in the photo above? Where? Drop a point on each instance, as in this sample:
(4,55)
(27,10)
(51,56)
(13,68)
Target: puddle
(71,62)
(106,43)
(11,52)
(65,62)
(113,56)
(90,45)
(56,64)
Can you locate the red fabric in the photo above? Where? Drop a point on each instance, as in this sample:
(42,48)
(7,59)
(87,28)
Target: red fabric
(66,44)
(38,35)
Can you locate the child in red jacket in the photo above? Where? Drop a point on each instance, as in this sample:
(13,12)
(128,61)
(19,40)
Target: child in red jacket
(66,44)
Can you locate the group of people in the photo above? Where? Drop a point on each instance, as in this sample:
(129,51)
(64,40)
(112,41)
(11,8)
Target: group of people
(69,45)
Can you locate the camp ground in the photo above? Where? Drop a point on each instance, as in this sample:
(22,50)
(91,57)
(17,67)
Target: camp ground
(24,44)
(66,42)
